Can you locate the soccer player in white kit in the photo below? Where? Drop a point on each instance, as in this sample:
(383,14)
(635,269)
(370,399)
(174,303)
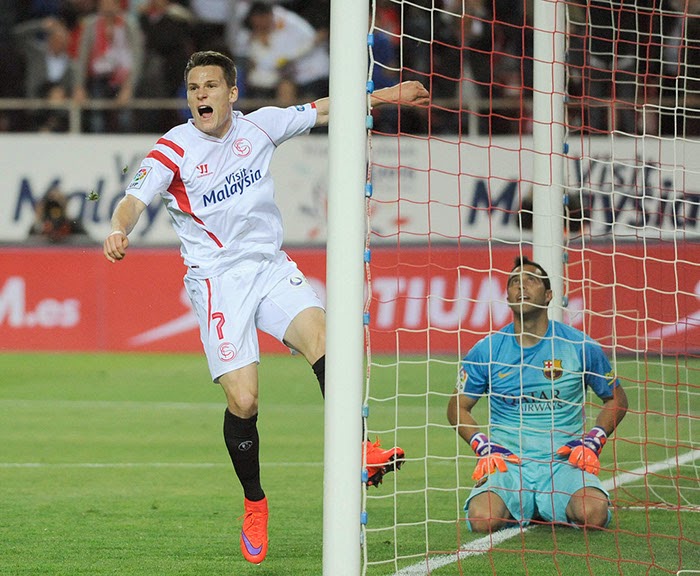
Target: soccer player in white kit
(213,176)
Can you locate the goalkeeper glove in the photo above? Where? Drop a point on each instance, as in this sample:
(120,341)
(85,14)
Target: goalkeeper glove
(491,456)
(584,453)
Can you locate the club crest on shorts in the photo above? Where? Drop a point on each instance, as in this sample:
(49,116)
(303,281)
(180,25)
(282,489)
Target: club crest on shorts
(227,352)
(481,481)
(553,369)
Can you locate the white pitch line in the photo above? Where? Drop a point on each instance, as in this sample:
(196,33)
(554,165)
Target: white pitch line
(112,404)
(483,545)
(15,465)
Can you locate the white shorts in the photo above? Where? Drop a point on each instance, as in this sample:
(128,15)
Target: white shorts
(231,308)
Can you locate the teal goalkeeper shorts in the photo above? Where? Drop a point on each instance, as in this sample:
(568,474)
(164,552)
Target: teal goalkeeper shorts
(538,489)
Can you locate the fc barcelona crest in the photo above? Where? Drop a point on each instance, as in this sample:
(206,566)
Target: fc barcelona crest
(553,369)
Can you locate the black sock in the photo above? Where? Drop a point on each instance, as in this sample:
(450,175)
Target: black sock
(242,441)
(319,368)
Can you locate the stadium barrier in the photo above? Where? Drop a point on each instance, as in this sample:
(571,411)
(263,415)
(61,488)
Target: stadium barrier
(440,299)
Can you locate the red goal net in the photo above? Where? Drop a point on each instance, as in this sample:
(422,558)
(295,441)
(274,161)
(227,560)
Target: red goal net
(452,204)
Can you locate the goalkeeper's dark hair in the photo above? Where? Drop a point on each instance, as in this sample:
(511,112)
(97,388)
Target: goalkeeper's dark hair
(212,58)
(521,261)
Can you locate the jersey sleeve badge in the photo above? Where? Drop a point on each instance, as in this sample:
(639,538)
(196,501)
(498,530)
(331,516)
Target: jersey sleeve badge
(461,380)
(139,178)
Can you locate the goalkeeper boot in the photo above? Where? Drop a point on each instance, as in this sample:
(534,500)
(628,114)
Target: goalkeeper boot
(380,461)
(254,531)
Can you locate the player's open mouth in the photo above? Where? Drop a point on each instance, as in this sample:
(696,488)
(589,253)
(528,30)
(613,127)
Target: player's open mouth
(205,111)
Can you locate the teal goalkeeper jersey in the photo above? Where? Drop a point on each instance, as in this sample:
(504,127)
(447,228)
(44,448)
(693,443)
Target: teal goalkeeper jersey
(536,395)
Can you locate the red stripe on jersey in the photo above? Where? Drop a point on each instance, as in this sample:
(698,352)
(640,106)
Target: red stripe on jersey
(214,238)
(170,144)
(208,303)
(177,189)
(165,161)
(313,104)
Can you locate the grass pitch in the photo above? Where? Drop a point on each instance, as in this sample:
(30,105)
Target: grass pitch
(115,464)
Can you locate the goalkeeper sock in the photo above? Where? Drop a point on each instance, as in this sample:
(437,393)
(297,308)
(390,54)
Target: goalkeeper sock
(319,368)
(243,443)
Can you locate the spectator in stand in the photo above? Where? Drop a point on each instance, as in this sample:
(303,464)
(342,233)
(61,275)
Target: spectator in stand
(680,71)
(73,13)
(691,69)
(386,64)
(287,58)
(167,31)
(213,17)
(49,71)
(431,53)
(317,13)
(52,222)
(499,56)
(624,62)
(11,65)
(38,9)
(109,61)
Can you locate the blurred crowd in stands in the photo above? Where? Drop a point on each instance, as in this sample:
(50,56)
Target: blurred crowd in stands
(630,66)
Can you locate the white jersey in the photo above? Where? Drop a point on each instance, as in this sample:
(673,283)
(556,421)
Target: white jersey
(219,191)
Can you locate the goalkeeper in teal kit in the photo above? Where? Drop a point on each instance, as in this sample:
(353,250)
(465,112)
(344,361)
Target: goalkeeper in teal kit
(535,460)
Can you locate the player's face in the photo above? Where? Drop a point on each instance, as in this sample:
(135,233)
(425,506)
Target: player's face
(209,99)
(526,291)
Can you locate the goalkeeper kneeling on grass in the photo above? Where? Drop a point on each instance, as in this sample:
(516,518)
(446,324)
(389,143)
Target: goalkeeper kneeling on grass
(537,460)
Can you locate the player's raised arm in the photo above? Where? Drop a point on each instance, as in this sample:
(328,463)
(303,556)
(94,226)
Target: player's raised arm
(409,93)
(125,217)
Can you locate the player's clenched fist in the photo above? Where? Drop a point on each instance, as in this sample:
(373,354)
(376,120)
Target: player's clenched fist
(584,453)
(492,456)
(115,246)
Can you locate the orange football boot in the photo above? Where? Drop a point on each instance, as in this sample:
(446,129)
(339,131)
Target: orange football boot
(379,461)
(254,531)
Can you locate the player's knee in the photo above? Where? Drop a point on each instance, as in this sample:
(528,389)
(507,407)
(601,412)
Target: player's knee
(240,387)
(487,513)
(593,516)
(242,403)
(590,511)
(486,525)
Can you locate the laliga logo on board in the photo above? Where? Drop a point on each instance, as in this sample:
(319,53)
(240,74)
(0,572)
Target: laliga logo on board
(242,147)
(227,352)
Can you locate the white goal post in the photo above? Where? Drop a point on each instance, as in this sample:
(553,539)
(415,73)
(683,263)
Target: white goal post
(345,282)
